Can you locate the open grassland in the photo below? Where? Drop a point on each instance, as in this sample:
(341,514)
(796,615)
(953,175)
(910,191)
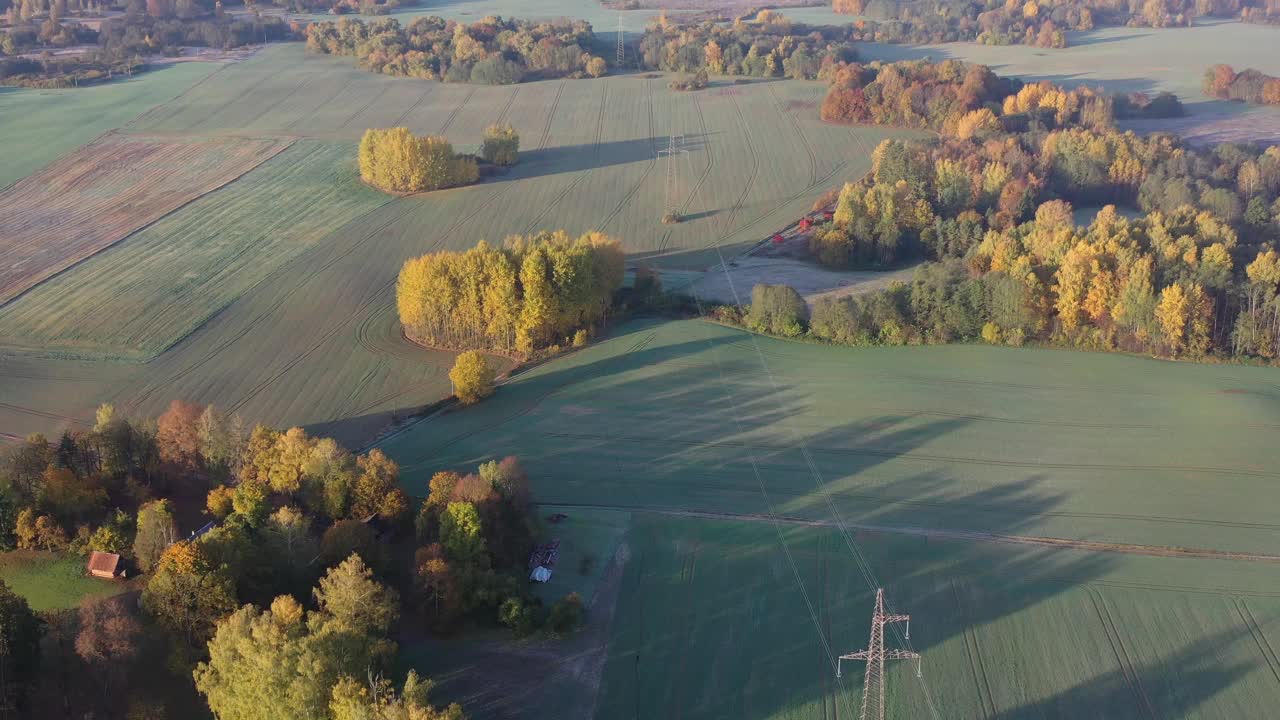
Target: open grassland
(149,292)
(301,325)
(51,581)
(42,125)
(93,198)
(1059,444)
(732,619)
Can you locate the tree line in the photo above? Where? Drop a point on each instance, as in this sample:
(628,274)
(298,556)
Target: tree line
(533,293)
(1248,85)
(767,46)
(313,556)
(490,51)
(1040,23)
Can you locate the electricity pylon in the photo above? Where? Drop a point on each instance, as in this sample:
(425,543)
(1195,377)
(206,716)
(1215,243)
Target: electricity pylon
(673,149)
(622,48)
(875,655)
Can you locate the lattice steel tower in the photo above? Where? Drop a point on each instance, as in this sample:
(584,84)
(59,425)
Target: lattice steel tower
(875,655)
(674,148)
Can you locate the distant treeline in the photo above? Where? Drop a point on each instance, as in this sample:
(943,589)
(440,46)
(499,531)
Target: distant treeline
(768,46)
(1032,22)
(491,51)
(1251,86)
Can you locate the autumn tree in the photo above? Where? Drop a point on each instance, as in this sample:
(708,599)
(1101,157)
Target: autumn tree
(501,145)
(108,641)
(156,531)
(187,594)
(472,377)
(377,699)
(395,160)
(178,434)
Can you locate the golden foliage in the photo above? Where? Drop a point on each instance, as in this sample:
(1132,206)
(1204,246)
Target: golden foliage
(395,160)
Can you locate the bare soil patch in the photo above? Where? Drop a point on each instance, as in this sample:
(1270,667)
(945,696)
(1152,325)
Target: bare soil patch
(97,196)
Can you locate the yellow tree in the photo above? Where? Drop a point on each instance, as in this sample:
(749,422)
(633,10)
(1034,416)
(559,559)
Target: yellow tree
(472,377)
(1172,314)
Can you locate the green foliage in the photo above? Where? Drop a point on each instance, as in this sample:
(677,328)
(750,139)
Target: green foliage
(19,651)
(187,594)
(777,309)
(351,597)
(566,614)
(461,533)
(501,145)
(156,532)
(472,377)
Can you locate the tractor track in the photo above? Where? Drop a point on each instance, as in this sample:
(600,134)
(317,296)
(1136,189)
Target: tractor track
(416,103)
(174,101)
(502,116)
(945,534)
(974,652)
(582,176)
(1264,646)
(702,178)
(454,115)
(795,125)
(1122,654)
(41,413)
(626,199)
(279,102)
(230,103)
(551,116)
(289,126)
(364,107)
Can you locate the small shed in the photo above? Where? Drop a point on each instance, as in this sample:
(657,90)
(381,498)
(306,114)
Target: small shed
(106,565)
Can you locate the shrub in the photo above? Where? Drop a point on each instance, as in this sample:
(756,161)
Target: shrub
(472,377)
(566,614)
(501,145)
(497,70)
(778,310)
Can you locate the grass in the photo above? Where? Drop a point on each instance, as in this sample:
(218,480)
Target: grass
(737,617)
(273,298)
(166,280)
(51,582)
(42,125)
(95,197)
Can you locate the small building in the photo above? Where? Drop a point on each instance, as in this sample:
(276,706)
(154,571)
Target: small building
(106,565)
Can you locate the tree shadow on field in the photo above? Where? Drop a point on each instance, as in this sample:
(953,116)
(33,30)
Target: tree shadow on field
(1083,79)
(1097,37)
(562,159)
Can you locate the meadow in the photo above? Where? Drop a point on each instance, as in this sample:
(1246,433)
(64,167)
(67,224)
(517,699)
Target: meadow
(53,582)
(273,296)
(706,435)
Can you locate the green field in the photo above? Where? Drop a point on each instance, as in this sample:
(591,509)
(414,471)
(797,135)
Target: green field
(690,416)
(53,582)
(274,295)
(42,125)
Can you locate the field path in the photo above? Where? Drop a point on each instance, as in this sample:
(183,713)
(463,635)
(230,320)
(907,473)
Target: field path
(944,534)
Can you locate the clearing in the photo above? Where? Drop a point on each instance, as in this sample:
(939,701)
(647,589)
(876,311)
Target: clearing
(54,581)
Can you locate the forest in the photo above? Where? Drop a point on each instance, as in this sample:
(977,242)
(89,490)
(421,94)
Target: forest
(1249,85)
(490,51)
(1031,22)
(319,543)
(533,293)
(989,205)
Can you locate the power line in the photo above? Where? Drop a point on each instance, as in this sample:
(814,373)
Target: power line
(622,46)
(674,147)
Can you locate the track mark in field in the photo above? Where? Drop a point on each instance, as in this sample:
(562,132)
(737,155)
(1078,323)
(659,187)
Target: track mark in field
(795,126)
(626,199)
(1264,646)
(1122,655)
(153,386)
(582,175)
(751,178)
(930,457)
(706,172)
(279,102)
(41,413)
(177,106)
(967,536)
(400,120)
(364,107)
(454,115)
(551,116)
(230,103)
(979,669)
(289,126)
(502,116)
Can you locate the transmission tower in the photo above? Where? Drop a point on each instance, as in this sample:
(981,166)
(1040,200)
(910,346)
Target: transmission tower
(622,46)
(673,149)
(875,655)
